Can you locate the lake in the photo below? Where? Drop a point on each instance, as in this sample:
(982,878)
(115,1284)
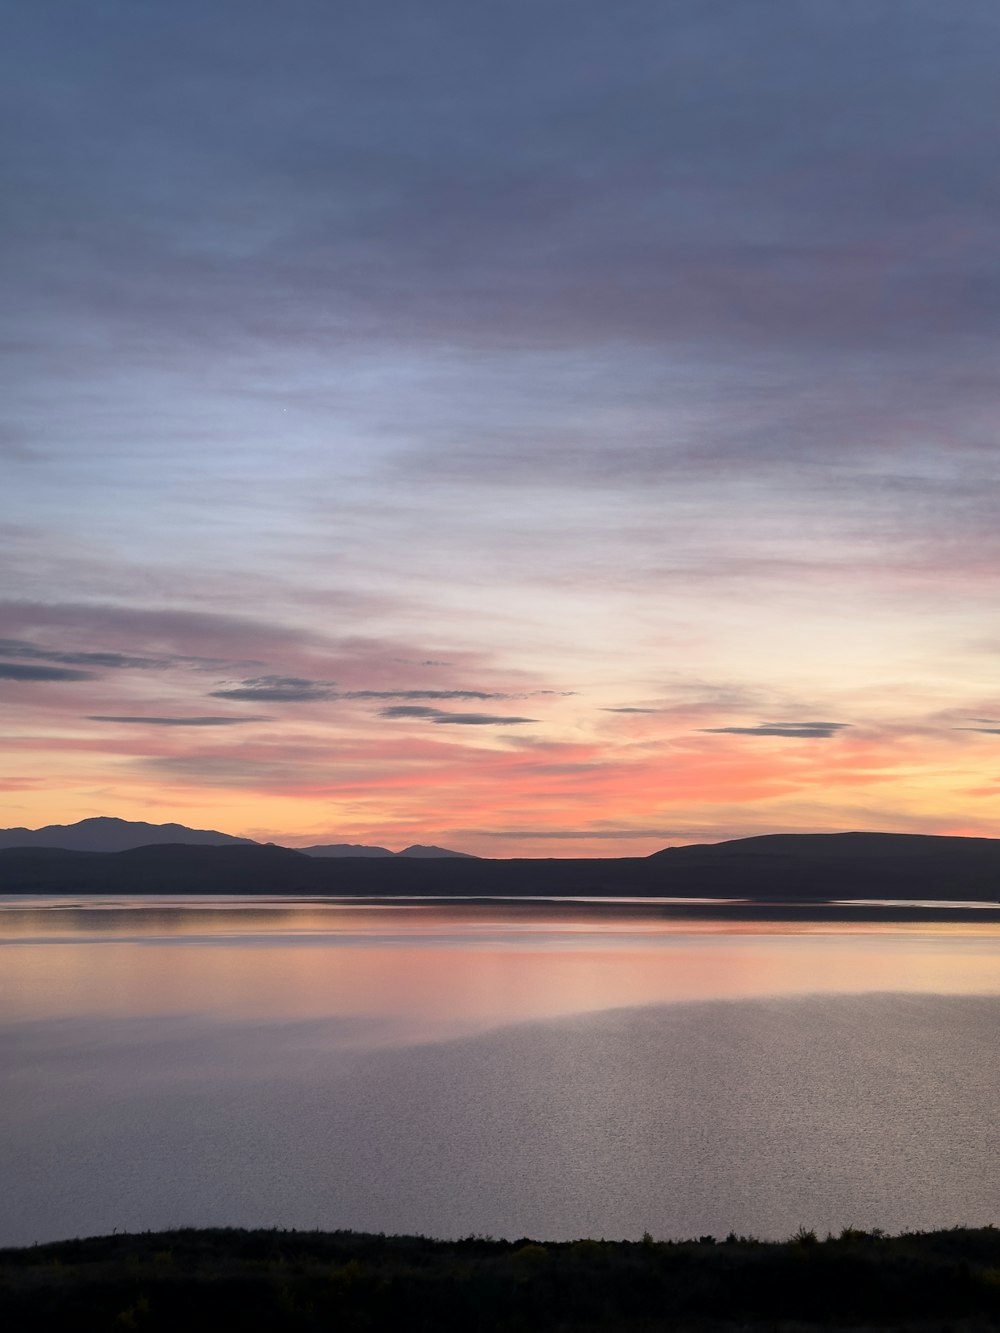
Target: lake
(549,1069)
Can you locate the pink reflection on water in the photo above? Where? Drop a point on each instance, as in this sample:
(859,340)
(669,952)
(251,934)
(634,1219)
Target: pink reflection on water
(431,970)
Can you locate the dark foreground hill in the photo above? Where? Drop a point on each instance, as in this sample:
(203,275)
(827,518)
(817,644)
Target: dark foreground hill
(841,865)
(203,1281)
(804,867)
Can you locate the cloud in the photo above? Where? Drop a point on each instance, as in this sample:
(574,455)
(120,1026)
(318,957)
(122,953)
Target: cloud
(278,689)
(229,770)
(481,720)
(21,648)
(16,452)
(205,641)
(425,694)
(21,671)
(177,721)
(710,153)
(442,718)
(793,730)
(630,710)
(409,710)
(709,310)
(609,834)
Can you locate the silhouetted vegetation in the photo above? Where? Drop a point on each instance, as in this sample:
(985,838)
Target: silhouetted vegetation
(289,1280)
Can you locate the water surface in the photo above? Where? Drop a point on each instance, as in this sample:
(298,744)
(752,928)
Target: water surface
(550,1069)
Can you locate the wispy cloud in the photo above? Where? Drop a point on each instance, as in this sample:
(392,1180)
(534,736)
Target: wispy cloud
(792,730)
(574,835)
(426,694)
(112,661)
(481,720)
(410,710)
(679,361)
(25,672)
(177,721)
(442,718)
(158,634)
(278,689)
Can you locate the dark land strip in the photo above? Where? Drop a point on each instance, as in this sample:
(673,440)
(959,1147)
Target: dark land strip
(287,1280)
(781,868)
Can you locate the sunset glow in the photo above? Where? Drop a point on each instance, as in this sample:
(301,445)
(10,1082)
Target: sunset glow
(530,434)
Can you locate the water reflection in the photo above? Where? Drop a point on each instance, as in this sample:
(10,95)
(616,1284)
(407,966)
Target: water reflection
(556,1069)
(432,969)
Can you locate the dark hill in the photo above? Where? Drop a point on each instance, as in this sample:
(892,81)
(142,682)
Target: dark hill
(794,866)
(432,853)
(339,849)
(838,865)
(835,846)
(277,870)
(186,869)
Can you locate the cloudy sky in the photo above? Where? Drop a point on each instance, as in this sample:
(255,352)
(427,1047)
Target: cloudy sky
(540,427)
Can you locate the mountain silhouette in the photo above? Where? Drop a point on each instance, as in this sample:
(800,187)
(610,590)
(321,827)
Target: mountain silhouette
(433,853)
(355,849)
(804,868)
(328,849)
(105,834)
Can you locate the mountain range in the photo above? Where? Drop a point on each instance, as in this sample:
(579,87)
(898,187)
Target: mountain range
(432,853)
(820,867)
(106,834)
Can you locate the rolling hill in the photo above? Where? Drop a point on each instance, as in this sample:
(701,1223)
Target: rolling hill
(814,868)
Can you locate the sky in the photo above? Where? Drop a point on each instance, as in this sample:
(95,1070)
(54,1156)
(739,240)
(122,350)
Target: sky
(536,427)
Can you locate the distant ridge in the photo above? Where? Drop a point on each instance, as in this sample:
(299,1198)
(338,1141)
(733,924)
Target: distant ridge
(330,849)
(106,834)
(353,849)
(803,868)
(831,846)
(434,853)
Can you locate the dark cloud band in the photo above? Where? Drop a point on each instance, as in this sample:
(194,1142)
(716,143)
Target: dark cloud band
(278,689)
(176,721)
(26,672)
(442,718)
(791,730)
(481,695)
(21,648)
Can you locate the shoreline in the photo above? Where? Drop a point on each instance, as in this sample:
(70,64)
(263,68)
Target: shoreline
(983,911)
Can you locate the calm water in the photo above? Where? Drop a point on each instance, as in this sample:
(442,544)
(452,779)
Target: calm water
(546,1069)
